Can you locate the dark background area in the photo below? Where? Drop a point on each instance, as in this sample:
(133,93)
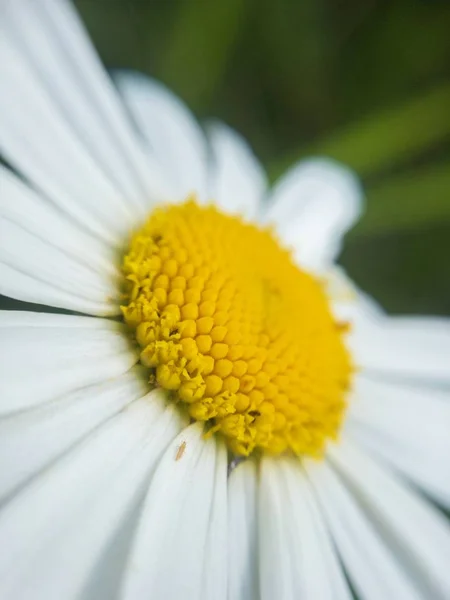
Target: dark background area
(364,81)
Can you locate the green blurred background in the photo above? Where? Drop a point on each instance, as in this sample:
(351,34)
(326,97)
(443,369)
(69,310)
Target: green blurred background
(363,81)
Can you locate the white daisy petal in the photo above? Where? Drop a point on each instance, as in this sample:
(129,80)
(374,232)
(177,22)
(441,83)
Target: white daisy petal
(408,427)
(373,568)
(68,68)
(23,206)
(347,301)
(215,572)
(25,287)
(238,181)
(60,168)
(54,427)
(297,557)
(243,583)
(280,574)
(39,364)
(417,532)
(181,512)
(312,207)
(59,525)
(120,505)
(35,257)
(71,483)
(22,318)
(171,132)
(415,348)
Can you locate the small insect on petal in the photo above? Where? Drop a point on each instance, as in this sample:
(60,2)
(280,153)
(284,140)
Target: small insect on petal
(180,451)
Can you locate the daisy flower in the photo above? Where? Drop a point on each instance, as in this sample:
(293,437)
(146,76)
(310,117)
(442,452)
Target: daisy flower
(218,412)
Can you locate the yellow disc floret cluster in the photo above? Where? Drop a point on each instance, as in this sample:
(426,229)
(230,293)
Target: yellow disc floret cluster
(235,331)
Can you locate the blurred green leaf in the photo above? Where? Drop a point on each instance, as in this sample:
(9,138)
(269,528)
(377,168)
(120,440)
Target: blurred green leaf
(409,201)
(406,271)
(390,51)
(387,138)
(297,50)
(203,36)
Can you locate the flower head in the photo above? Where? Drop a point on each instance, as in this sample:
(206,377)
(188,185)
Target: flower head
(220,413)
(231,327)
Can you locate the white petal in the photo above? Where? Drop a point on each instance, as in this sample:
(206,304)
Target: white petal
(68,68)
(37,258)
(415,348)
(171,132)
(51,429)
(347,301)
(39,364)
(215,572)
(18,285)
(238,182)
(60,167)
(174,548)
(312,207)
(278,564)
(408,427)
(297,558)
(92,553)
(27,209)
(374,570)
(21,318)
(120,506)
(59,525)
(417,532)
(243,583)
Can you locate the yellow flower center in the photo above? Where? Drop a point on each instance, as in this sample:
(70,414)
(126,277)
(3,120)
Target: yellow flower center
(235,331)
